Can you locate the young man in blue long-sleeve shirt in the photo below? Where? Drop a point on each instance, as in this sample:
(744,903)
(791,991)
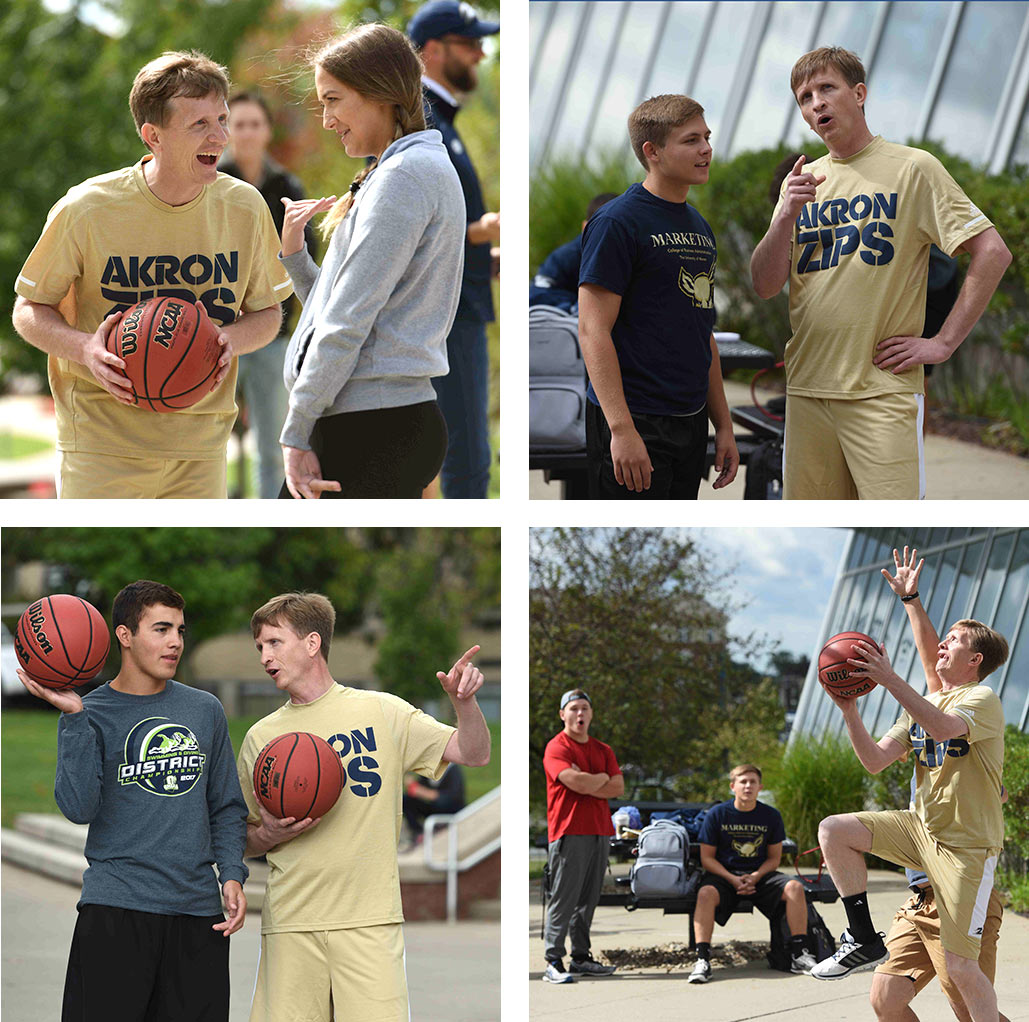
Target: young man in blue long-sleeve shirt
(148,764)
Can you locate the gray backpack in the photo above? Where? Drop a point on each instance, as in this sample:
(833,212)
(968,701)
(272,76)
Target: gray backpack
(660,867)
(557,383)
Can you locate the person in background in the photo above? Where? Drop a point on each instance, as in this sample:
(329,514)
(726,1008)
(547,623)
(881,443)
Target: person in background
(426,796)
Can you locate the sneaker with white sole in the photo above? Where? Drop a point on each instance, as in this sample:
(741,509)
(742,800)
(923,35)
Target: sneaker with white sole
(555,973)
(852,956)
(589,967)
(701,971)
(803,963)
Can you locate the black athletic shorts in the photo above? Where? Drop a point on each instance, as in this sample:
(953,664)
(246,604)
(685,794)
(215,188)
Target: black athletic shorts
(768,894)
(128,966)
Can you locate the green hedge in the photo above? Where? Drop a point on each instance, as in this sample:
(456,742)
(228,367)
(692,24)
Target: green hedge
(988,377)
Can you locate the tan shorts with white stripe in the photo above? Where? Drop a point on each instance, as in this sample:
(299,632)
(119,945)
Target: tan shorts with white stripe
(321,975)
(962,878)
(869,449)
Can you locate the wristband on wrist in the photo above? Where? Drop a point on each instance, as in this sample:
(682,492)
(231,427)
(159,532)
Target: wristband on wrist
(908,599)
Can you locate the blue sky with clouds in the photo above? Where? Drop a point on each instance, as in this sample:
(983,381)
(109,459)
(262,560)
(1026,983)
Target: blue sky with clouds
(785,576)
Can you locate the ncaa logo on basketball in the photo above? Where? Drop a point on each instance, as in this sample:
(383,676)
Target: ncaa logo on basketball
(162,757)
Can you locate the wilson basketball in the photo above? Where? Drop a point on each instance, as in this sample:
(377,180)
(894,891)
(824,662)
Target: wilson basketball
(833,669)
(61,641)
(171,351)
(298,774)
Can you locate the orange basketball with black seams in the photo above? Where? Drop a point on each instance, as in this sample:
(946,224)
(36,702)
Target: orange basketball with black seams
(834,671)
(61,641)
(298,774)
(171,351)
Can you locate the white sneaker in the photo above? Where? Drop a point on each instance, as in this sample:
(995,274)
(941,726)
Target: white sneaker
(701,971)
(555,973)
(851,957)
(803,963)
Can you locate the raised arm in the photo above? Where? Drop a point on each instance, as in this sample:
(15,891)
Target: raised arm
(905,585)
(770,263)
(874,756)
(469,745)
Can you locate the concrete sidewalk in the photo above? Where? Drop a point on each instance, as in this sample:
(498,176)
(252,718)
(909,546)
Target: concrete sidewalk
(751,991)
(39,917)
(955,470)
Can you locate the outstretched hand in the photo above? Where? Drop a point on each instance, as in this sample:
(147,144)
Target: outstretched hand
(871,661)
(464,679)
(905,582)
(297,213)
(66,700)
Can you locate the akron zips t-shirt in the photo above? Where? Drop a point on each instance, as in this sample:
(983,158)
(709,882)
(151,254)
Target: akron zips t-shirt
(343,873)
(109,243)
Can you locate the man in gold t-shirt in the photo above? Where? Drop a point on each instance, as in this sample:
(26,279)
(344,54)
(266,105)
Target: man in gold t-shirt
(169,226)
(852,236)
(331,924)
(955,828)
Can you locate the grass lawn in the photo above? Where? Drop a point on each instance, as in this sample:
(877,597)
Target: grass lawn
(28,757)
(14,445)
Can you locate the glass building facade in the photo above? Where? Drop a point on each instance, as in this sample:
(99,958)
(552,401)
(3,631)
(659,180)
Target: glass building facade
(968,573)
(954,72)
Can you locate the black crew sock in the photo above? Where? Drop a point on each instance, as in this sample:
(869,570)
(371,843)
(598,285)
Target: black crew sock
(798,943)
(704,950)
(859,921)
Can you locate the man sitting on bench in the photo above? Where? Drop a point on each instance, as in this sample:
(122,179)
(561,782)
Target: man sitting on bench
(740,848)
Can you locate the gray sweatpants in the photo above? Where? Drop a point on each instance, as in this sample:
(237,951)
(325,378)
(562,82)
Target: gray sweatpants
(577,863)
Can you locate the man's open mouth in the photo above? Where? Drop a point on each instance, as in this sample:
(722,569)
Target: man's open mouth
(208,159)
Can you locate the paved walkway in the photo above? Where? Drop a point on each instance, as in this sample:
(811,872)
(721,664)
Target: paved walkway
(39,917)
(954,470)
(752,991)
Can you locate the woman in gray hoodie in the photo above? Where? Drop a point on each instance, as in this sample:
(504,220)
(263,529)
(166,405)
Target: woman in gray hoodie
(363,419)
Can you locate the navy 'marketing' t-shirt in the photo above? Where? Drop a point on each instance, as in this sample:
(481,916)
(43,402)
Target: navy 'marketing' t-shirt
(660,257)
(741,840)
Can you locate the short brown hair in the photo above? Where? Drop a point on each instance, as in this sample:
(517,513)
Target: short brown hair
(302,613)
(835,57)
(744,768)
(192,75)
(655,118)
(130,603)
(983,639)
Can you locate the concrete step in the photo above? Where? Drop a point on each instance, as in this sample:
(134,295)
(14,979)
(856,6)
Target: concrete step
(53,829)
(42,857)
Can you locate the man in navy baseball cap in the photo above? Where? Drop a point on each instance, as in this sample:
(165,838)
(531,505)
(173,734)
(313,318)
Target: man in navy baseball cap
(449,37)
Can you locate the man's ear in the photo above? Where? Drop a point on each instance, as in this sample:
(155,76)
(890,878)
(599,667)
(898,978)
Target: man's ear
(651,152)
(314,644)
(151,135)
(123,635)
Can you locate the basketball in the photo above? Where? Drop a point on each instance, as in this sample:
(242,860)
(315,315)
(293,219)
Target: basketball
(834,671)
(171,351)
(61,641)
(298,774)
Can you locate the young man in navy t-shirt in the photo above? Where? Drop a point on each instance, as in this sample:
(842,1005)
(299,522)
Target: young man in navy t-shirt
(646,315)
(740,848)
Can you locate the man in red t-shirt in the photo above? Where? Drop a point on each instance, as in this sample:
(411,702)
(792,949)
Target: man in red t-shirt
(582,774)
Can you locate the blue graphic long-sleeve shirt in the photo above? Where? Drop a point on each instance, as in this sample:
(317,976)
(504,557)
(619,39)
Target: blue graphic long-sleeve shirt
(155,779)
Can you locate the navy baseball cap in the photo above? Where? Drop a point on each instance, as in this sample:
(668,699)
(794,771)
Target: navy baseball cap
(448,17)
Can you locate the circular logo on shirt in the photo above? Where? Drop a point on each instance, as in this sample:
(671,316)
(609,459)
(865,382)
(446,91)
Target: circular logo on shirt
(162,757)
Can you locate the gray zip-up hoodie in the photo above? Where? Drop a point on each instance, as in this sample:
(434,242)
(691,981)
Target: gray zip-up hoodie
(376,315)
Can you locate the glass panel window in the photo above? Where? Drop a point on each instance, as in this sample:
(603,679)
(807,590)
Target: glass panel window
(993,579)
(719,63)
(935,583)
(627,69)
(1016,685)
(572,126)
(967,102)
(680,42)
(557,50)
(903,64)
(959,606)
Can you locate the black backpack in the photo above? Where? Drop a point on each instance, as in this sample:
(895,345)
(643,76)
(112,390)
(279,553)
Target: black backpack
(819,938)
(764,472)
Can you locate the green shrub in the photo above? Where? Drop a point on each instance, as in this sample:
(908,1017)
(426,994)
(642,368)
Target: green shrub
(1015,858)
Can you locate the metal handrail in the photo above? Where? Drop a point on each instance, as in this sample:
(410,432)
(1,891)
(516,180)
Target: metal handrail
(453,865)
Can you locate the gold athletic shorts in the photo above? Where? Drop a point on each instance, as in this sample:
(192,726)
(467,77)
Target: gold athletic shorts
(962,878)
(301,976)
(916,951)
(103,475)
(870,449)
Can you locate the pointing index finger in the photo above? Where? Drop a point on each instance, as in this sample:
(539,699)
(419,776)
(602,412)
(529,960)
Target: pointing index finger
(800,163)
(469,654)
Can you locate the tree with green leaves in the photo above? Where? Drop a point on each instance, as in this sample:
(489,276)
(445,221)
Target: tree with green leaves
(638,618)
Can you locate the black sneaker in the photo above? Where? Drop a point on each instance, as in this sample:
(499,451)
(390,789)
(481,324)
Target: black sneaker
(852,956)
(555,973)
(590,967)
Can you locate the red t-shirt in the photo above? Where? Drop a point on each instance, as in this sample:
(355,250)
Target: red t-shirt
(568,812)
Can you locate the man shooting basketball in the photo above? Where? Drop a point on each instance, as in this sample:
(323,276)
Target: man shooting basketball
(169,226)
(331,925)
(852,235)
(955,829)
